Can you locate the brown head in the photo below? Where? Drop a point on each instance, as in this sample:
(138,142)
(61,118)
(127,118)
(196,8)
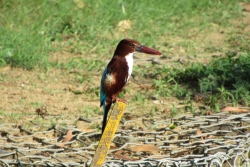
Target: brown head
(127,46)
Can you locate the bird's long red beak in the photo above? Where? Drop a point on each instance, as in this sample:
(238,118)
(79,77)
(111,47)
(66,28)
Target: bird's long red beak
(145,49)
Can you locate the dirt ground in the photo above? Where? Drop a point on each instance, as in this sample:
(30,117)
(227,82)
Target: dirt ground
(25,94)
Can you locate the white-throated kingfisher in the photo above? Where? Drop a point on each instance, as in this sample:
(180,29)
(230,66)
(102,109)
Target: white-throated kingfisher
(118,71)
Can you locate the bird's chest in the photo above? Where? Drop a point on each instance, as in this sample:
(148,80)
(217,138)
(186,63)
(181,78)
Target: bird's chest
(119,71)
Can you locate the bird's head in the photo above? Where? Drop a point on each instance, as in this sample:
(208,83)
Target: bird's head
(127,46)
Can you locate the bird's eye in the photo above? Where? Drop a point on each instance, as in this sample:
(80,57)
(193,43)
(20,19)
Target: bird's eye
(132,45)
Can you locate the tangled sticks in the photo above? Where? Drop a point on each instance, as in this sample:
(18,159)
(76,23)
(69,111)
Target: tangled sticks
(217,140)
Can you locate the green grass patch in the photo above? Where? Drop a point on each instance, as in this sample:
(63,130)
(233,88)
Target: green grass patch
(29,29)
(23,49)
(224,80)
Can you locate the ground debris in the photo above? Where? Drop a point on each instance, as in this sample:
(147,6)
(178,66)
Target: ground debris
(221,137)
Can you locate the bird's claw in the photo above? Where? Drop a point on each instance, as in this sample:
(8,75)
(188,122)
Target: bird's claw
(121,100)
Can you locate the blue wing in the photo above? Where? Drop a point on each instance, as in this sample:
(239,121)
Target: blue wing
(102,94)
(103,99)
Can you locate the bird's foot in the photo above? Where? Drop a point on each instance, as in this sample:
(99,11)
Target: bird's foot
(121,100)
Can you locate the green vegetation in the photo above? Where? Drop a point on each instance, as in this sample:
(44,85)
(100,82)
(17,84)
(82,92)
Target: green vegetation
(225,80)
(33,32)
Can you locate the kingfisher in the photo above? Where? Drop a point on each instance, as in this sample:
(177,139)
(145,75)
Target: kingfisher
(117,73)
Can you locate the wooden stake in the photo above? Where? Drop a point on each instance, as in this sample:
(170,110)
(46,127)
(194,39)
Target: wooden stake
(108,134)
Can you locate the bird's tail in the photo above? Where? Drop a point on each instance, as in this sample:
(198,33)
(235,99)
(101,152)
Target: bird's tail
(106,108)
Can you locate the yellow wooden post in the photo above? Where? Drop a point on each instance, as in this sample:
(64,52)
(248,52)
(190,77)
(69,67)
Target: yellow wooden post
(108,134)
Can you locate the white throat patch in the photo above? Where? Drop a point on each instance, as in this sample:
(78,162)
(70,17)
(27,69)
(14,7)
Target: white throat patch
(130,62)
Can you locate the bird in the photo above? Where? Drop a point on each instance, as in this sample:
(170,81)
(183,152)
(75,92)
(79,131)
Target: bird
(117,73)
